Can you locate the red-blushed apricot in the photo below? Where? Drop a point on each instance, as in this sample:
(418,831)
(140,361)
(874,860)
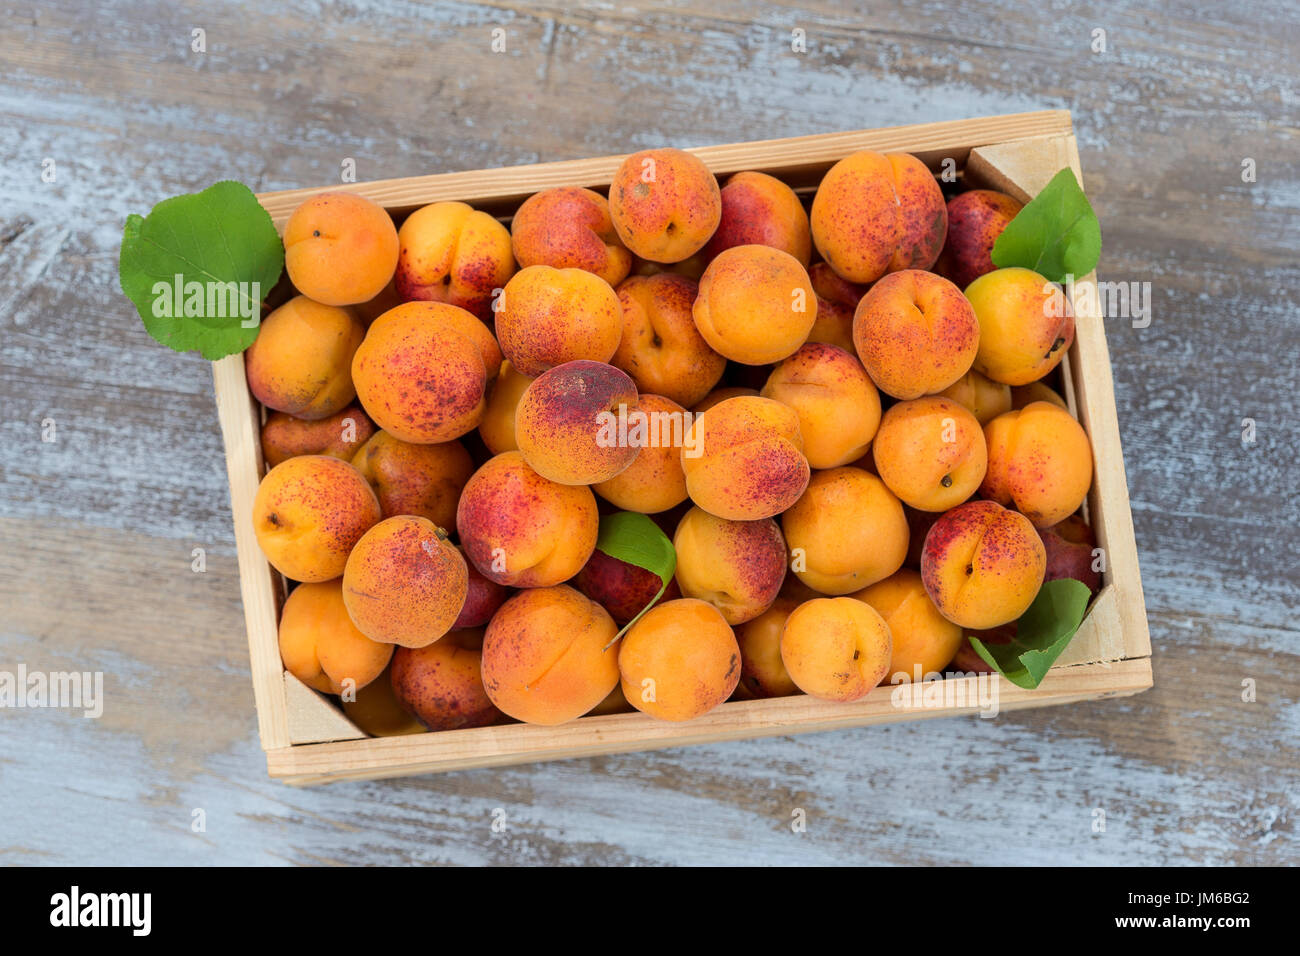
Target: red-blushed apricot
(836,648)
(452,253)
(422,480)
(568,423)
(308,513)
(1026,325)
(720,395)
(405,583)
(924,641)
(930,452)
(980,395)
(622,589)
(762,672)
(568,227)
(915,333)
(321,646)
(376,710)
(497,429)
(1022,395)
(679,661)
(482,598)
(744,459)
(837,404)
(737,566)
(661,348)
(755,304)
(837,300)
(522,530)
(548,316)
(665,204)
(1040,462)
(654,482)
(301,361)
(758,209)
(339,436)
(975,220)
(547,655)
(441,684)
(340,248)
(458,320)
(846,531)
(1071,552)
(982,565)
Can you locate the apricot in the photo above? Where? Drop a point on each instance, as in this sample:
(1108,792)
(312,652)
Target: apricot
(497,429)
(1040,462)
(548,316)
(915,333)
(930,452)
(837,404)
(482,598)
(614,703)
(422,480)
(877,213)
(654,482)
(301,361)
(847,531)
(376,709)
(744,459)
(568,227)
(441,684)
(691,267)
(679,661)
(321,646)
(982,565)
(308,513)
(458,320)
(836,648)
(665,204)
(1022,395)
(720,395)
(660,347)
(404,582)
(522,530)
(452,253)
(833,287)
(340,248)
(758,209)
(622,589)
(1026,325)
(975,220)
(1070,548)
(837,300)
(980,395)
(762,671)
(924,641)
(737,566)
(546,655)
(755,305)
(338,436)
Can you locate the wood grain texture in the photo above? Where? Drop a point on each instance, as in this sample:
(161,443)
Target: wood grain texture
(97,527)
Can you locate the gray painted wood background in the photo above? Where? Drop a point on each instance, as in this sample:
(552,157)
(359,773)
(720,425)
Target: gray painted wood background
(97,527)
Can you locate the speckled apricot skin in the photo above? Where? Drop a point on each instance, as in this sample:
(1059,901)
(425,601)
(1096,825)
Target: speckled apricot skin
(980,395)
(755,305)
(522,530)
(679,661)
(376,710)
(321,646)
(930,452)
(452,253)
(923,639)
(1040,463)
(982,565)
(660,347)
(441,685)
(339,436)
(568,227)
(654,481)
(915,333)
(1022,337)
(737,566)
(482,599)
(497,429)
(665,204)
(758,209)
(837,403)
(620,588)
(308,513)
(836,648)
(340,248)
(847,531)
(301,361)
(762,672)
(876,213)
(548,316)
(566,423)
(975,220)
(744,459)
(458,320)
(421,480)
(404,582)
(422,380)
(546,655)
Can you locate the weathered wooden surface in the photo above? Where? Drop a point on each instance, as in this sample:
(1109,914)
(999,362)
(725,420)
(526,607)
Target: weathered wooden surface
(97,527)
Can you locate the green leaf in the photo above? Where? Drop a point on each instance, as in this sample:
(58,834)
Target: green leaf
(1055,235)
(223,247)
(1042,633)
(635,539)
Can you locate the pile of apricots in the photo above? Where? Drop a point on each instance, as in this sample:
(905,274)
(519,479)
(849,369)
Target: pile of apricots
(862,458)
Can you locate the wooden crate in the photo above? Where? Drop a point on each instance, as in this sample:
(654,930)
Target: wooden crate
(307,738)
